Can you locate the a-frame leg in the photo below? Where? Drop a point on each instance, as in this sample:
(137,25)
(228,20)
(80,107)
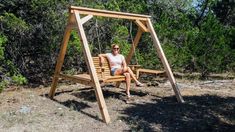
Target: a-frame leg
(164,61)
(60,60)
(91,67)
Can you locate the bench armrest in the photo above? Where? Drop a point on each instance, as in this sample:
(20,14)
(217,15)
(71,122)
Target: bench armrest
(134,67)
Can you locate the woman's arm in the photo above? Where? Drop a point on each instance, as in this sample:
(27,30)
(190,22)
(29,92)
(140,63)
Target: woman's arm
(101,56)
(124,63)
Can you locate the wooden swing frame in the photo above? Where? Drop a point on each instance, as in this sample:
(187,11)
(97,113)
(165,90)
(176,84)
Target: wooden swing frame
(76,22)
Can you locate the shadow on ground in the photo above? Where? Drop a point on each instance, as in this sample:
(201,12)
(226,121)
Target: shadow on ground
(78,106)
(199,113)
(89,95)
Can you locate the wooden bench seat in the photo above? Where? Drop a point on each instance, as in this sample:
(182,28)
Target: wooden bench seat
(86,79)
(103,73)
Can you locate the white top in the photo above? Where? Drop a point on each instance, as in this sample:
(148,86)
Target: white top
(115,60)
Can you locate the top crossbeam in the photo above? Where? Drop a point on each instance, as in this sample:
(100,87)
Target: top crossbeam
(106,13)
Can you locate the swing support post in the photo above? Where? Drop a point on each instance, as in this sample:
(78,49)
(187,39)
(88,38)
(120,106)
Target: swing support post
(164,62)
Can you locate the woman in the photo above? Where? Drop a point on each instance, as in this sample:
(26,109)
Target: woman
(119,67)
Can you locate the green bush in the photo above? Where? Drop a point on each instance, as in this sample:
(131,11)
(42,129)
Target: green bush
(3,40)
(192,41)
(19,79)
(3,85)
(120,35)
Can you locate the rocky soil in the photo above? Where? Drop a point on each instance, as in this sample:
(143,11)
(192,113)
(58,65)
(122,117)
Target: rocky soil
(209,106)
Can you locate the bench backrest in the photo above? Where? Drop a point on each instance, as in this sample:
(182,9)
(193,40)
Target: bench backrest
(104,70)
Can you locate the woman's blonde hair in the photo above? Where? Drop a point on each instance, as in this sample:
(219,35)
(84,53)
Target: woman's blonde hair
(113,45)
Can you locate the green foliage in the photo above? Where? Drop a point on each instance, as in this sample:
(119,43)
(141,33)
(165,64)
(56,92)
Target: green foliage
(10,70)
(19,79)
(112,5)
(211,50)
(203,48)
(74,54)
(74,46)
(120,37)
(3,82)
(34,30)
(14,23)
(196,36)
(3,40)
(3,85)
(225,11)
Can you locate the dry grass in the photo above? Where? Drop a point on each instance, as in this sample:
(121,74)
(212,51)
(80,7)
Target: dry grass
(210,106)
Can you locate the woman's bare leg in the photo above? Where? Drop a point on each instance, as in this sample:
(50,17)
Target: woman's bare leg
(118,72)
(128,83)
(132,74)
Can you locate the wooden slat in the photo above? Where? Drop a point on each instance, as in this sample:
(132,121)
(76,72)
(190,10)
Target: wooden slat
(105,13)
(78,78)
(114,78)
(86,80)
(151,71)
(105,67)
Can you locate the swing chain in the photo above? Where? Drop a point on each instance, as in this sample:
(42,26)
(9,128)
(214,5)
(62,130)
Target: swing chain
(132,41)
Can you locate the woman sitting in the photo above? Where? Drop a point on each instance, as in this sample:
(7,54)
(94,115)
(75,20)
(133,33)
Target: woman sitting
(119,67)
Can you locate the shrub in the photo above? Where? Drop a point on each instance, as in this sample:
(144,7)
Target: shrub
(19,79)
(3,85)
(3,40)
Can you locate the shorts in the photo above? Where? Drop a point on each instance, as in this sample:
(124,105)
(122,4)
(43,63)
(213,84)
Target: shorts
(113,71)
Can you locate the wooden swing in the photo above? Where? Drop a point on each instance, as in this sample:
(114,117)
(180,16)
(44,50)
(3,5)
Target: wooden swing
(76,22)
(103,73)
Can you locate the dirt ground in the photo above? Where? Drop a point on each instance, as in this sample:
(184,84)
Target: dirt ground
(209,106)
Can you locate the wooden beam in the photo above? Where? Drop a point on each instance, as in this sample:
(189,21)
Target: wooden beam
(73,19)
(133,46)
(72,26)
(86,18)
(105,13)
(141,26)
(60,59)
(164,61)
(91,68)
(76,79)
